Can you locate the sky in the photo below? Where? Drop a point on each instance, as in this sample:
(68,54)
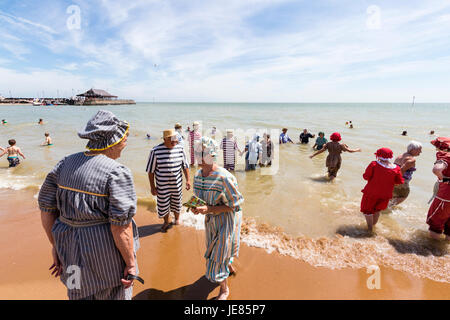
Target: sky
(228,51)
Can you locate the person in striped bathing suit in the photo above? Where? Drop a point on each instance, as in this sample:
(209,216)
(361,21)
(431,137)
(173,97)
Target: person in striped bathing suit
(229,147)
(195,137)
(87,205)
(165,164)
(219,189)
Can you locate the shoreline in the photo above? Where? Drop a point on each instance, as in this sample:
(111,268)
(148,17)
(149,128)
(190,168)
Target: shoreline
(172,266)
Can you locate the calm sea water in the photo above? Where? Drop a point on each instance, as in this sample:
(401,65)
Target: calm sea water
(296,198)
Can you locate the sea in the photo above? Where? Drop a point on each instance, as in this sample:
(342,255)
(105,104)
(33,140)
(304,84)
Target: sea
(291,207)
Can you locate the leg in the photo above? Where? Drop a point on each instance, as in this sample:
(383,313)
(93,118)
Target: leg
(369,220)
(176,203)
(376,215)
(435,235)
(224,291)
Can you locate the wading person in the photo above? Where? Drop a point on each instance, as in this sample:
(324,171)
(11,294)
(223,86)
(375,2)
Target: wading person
(87,205)
(304,136)
(267,150)
(284,138)
(229,147)
(334,148)
(219,189)
(194,140)
(439,213)
(407,163)
(165,165)
(13,152)
(381,176)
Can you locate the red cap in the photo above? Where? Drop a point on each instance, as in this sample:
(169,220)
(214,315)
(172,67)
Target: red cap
(441,143)
(335,136)
(385,153)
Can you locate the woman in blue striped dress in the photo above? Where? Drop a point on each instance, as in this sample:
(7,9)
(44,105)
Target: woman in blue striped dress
(219,189)
(87,205)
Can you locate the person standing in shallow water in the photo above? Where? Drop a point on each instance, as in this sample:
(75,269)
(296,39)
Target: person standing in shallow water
(407,163)
(223,216)
(87,205)
(438,217)
(166,163)
(334,148)
(381,176)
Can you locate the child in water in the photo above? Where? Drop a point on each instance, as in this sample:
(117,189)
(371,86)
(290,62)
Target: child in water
(48,140)
(381,176)
(13,153)
(334,149)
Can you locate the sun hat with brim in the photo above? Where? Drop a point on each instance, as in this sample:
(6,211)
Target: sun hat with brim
(169,133)
(196,123)
(384,154)
(441,143)
(336,136)
(103,131)
(210,146)
(177,125)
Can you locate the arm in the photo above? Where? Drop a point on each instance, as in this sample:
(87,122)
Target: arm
(20,152)
(151,179)
(211,209)
(346,148)
(438,168)
(369,171)
(186,175)
(123,238)
(408,165)
(3,152)
(318,152)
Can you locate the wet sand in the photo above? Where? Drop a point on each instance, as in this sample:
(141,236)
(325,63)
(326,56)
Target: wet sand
(172,265)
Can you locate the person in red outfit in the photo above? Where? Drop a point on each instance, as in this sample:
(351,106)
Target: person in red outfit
(381,176)
(439,213)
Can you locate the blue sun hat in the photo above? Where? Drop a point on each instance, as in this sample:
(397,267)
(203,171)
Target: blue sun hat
(103,131)
(210,146)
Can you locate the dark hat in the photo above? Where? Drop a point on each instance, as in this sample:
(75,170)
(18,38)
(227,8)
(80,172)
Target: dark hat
(104,130)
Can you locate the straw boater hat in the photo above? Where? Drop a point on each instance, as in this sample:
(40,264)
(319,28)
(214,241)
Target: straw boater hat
(169,133)
(103,131)
(196,123)
(178,125)
(229,130)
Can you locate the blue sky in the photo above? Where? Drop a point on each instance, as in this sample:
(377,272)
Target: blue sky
(234,50)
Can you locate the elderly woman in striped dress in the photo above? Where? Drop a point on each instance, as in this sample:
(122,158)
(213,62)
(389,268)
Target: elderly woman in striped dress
(87,205)
(219,189)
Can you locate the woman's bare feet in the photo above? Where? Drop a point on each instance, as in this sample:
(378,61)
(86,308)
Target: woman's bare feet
(223,294)
(165,226)
(232,270)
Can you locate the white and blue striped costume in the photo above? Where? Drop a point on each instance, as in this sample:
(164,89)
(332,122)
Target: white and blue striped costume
(90,193)
(167,165)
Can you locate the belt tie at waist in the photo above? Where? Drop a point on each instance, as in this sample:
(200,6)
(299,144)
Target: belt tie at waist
(81,224)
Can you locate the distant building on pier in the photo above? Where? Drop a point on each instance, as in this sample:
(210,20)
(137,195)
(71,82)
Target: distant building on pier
(100,97)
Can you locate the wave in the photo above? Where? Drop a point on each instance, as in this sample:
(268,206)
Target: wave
(351,247)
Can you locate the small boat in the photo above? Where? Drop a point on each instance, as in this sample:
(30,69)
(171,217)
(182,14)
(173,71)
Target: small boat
(36,102)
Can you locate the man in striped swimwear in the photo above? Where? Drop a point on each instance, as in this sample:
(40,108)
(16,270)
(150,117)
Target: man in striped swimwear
(165,163)
(229,147)
(195,137)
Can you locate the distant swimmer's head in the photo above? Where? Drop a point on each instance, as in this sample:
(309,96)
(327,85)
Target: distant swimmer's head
(40,121)
(321,134)
(104,131)
(442,144)
(178,126)
(170,138)
(12,142)
(404,133)
(431,132)
(4,121)
(336,136)
(46,134)
(414,148)
(284,130)
(305,130)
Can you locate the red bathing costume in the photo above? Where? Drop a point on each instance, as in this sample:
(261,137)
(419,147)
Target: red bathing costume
(381,180)
(439,213)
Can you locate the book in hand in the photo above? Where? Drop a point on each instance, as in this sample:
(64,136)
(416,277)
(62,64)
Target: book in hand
(194,202)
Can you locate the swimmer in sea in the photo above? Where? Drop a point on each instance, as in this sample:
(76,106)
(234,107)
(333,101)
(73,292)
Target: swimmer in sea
(13,153)
(41,121)
(48,140)
(4,121)
(405,133)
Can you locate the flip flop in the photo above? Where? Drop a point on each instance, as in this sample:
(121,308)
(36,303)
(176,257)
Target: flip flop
(134,277)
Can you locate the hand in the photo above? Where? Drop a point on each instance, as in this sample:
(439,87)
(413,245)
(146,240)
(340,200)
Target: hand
(200,209)
(154,191)
(128,270)
(311,156)
(56,266)
(188,186)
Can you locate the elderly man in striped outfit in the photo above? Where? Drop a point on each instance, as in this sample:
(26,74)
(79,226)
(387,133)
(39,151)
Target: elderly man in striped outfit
(164,166)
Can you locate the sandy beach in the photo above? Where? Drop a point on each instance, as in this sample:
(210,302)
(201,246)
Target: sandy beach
(172,265)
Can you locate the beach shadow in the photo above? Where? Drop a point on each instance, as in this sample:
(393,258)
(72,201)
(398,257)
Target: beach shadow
(323,179)
(199,290)
(357,232)
(420,244)
(145,231)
